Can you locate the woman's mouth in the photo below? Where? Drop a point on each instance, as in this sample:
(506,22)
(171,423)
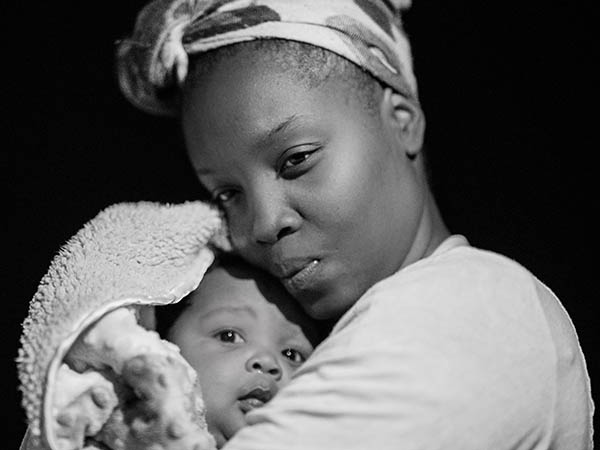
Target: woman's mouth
(303,277)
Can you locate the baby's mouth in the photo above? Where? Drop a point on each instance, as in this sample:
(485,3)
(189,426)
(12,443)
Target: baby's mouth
(256,398)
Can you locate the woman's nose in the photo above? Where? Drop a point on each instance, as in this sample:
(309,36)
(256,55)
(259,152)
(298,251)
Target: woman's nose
(263,361)
(273,218)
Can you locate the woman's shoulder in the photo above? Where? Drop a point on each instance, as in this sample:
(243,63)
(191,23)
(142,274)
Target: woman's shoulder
(461,271)
(456,291)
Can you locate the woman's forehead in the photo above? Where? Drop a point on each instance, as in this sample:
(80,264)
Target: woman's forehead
(230,107)
(244,84)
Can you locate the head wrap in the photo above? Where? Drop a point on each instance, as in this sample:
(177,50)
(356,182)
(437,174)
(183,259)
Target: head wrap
(153,62)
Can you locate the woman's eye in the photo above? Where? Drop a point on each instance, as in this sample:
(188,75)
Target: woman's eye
(296,159)
(229,336)
(293,355)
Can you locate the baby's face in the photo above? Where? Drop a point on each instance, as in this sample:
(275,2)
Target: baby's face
(242,334)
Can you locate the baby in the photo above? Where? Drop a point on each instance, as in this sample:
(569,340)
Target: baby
(244,335)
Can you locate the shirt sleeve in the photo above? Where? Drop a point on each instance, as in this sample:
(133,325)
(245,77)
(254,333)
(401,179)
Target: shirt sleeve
(460,363)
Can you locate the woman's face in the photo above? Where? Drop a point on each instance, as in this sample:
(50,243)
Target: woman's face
(316,190)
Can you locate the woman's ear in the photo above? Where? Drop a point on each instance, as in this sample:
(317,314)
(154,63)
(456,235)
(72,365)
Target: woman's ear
(406,119)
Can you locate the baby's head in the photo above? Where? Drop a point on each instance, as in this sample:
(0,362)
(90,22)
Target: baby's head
(245,336)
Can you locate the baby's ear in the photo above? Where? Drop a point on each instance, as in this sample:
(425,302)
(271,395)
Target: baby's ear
(406,119)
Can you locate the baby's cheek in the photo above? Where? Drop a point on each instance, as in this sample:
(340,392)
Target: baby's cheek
(224,420)
(217,415)
(216,432)
(219,380)
(288,372)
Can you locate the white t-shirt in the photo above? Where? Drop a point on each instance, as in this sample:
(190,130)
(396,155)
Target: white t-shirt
(462,350)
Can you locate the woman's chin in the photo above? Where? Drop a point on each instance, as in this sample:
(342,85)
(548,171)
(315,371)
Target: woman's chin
(323,306)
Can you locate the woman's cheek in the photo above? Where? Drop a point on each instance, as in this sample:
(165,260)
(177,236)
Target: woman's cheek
(336,194)
(239,233)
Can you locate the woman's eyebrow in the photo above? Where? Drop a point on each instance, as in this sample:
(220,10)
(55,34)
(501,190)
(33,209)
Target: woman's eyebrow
(264,138)
(279,128)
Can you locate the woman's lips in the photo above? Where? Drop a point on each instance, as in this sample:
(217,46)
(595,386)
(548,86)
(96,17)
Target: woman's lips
(302,279)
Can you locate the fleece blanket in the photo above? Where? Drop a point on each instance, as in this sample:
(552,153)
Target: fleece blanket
(130,254)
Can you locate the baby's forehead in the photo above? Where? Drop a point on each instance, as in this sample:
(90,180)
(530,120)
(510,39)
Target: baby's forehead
(248,292)
(226,276)
(238,286)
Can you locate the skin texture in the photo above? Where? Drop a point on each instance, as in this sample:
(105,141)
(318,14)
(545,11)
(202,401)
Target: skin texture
(241,331)
(310,181)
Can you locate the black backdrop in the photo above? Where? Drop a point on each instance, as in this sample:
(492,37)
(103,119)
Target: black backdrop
(505,89)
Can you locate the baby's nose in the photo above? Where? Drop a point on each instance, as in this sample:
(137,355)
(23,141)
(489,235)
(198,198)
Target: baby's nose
(264,362)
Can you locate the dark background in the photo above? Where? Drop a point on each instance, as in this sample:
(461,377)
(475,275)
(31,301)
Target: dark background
(506,89)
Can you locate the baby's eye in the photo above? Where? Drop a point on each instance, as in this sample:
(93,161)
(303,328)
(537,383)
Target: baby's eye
(229,336)
(293,355)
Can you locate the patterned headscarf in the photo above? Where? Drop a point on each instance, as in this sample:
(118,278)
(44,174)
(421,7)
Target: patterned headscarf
(153,62)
